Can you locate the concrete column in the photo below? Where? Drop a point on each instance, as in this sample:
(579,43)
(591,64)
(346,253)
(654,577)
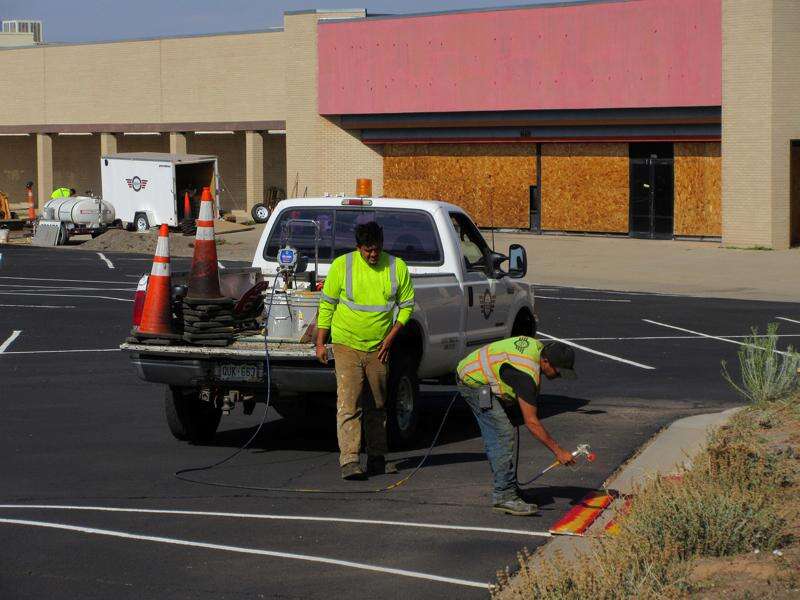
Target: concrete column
(177,142)
(108,143)
(254,168)
(44,168)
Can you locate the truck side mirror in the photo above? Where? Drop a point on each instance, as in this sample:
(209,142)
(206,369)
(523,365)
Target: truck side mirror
(517,261)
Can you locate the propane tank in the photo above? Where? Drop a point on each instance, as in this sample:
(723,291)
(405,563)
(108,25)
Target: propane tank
(81,210)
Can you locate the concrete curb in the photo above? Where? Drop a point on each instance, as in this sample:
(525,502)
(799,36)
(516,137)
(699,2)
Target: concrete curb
(667,452)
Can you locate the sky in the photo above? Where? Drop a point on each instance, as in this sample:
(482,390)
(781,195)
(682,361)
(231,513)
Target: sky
(97,20)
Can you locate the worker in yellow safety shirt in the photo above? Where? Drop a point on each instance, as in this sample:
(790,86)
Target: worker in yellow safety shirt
(62,192)
(504,373)
(362,292)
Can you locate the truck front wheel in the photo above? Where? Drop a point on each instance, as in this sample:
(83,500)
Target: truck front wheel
(402,411)
(189,418)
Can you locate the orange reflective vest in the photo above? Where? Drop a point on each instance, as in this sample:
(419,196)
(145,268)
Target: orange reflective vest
(482,367)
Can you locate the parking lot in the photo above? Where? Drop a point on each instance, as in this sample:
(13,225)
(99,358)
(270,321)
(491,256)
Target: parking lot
(91,508)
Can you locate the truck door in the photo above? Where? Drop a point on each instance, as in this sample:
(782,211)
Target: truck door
(479,290)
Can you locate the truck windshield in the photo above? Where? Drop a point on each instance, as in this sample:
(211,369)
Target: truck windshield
(407,234)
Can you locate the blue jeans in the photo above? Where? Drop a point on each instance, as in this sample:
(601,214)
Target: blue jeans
(498,439)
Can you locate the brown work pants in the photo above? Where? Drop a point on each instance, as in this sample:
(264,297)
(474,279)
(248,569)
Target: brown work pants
(352,367)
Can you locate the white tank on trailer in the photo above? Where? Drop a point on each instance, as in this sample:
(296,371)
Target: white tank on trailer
(80,210)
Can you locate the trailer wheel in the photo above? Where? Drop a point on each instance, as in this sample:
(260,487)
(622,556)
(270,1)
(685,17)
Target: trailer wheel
(260,213)
(189,418)
(402,410)
(140,222)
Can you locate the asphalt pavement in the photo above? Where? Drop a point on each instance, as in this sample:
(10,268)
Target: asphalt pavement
(80,430)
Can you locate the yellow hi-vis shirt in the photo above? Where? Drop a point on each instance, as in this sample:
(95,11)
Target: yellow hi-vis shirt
(61,192)
(359,301)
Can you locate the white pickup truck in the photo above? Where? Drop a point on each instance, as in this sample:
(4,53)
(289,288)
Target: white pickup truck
(463,299)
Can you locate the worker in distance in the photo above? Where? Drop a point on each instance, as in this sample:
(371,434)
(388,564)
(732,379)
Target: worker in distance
(497,376)
(357,308)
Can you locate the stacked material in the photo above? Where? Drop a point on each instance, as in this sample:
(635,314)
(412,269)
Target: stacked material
(208,322)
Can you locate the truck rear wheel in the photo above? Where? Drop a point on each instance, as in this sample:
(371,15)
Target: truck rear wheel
(402,410)
(189,418)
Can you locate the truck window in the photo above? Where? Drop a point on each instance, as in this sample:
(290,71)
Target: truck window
(302,234)
(473,247)
(407,234)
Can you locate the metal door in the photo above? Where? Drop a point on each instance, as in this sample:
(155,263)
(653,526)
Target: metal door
(651,197)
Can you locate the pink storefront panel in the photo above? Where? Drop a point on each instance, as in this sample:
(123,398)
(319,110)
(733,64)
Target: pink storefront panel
(630,54)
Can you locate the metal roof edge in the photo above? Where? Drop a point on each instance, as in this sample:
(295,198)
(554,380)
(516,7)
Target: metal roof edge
(148,39)
(556,4)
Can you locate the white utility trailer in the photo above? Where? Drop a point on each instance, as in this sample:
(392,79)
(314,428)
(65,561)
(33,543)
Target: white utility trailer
(147,189)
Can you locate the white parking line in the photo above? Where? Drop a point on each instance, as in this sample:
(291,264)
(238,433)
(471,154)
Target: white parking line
(585,349)
(241,550)
(35,306)
(705,335)
(65,296)
(581,299)
(40,287)
(102,256)
(10,340)
(666,337)
(203,513)
(70,280)
(63,351)
(788,319)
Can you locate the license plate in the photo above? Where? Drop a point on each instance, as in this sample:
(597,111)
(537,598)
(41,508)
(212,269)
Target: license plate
(239,372)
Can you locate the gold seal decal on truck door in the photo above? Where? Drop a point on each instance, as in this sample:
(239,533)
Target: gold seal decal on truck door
(487,304)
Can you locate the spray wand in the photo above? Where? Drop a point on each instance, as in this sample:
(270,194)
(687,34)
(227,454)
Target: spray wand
(581,450)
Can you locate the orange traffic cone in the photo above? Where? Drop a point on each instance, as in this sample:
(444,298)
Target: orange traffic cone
(31,205)
(187,207)
(157,312)
(204,277)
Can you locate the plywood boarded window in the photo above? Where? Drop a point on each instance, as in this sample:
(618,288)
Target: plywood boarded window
(585,187)
(698,189)
(490,181)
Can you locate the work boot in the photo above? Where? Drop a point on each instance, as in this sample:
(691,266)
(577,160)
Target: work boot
(377,465)
(353,471)
(517,507)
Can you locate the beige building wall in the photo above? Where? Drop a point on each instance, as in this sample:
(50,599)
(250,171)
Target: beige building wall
(321,157)
(17,165)
(207,78)
(229,148)
(760,114)
(76,162)
(224,78)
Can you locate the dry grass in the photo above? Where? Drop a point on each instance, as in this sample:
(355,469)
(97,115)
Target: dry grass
(740,495)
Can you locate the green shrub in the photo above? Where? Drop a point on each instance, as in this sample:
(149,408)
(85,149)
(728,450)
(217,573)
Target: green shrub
(767,374)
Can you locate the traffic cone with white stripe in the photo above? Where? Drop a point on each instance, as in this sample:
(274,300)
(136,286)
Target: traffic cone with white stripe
(157,313)
(204,277)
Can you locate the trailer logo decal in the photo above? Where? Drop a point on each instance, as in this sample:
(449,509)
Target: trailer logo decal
(487,304)
(137,183)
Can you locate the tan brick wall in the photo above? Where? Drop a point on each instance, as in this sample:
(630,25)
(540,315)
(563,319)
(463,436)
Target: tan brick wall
(103,83)
(214,78)
(785,112)
(229,149)
(320,156)
(275,161)
(224,78)
(17,165)
(76,162)
(23,96)
(143,143)
(760,87)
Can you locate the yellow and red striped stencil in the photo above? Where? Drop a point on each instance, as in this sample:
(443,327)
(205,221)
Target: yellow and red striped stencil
(583,514)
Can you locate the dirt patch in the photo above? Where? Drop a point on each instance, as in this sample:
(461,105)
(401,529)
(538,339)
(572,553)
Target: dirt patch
(234,242)
(754,575)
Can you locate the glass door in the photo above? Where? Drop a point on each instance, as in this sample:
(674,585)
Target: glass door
(641,198)
(651,197)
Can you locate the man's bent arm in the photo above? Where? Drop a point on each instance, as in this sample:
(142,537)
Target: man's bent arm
(540,433)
